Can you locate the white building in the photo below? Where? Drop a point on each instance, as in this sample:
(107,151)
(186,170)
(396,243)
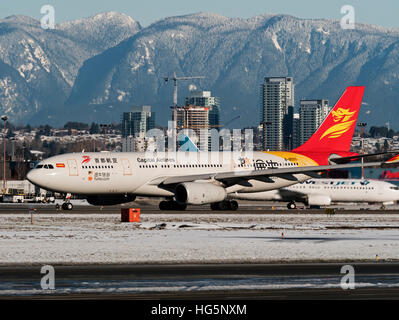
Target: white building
(277,94)
(311,114)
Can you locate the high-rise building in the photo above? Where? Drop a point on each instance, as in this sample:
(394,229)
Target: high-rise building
(137,121)
(195,118)
(277,94)
(205,99)
(138,143)
(201,113)
(311,115)
(295,131)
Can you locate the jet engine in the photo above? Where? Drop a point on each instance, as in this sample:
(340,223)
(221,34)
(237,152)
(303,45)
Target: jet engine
(319,200)
(109,200)
(199,193)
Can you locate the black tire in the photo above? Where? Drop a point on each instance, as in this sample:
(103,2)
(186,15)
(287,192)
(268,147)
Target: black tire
(64,206)
(215,206)
(164,205)
(233,205)
(69,206)
(181,207)
(224,205)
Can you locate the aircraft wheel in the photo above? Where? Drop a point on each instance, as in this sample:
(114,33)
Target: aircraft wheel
(164,205)
(224,205)
(67,206)
(180,206)
(215,206)
(291,205)
(233,205)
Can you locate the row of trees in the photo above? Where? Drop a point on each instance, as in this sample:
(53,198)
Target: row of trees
(45,130)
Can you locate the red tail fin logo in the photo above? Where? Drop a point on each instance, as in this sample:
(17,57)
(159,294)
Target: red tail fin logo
(343,119)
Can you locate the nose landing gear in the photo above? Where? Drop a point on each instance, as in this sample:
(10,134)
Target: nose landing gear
(64,206)
(67,206)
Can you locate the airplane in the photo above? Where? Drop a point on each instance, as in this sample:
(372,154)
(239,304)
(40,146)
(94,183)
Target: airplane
(323,192)
(197,178)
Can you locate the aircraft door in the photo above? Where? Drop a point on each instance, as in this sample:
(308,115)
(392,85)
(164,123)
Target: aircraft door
(127,168)
(73,167)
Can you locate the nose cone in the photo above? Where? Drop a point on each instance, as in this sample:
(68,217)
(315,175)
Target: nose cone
(33,176)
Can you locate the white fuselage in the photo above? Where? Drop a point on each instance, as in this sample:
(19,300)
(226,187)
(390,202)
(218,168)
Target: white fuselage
(336,190)
(141,173)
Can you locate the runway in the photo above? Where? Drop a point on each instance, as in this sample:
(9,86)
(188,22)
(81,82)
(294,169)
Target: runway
(152,208)
(207,281)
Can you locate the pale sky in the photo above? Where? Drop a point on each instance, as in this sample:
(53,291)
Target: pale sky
(383,12)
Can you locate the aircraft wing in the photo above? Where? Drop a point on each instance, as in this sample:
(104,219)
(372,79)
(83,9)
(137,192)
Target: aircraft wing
(341,160)
(234,177)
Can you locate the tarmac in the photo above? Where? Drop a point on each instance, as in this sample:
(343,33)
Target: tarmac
(260,281)
(374,274)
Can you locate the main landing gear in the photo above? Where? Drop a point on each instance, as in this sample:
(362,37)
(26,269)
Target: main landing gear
(172,205)
(225,205)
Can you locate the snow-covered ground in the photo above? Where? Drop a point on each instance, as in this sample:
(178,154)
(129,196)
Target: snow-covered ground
(188,238)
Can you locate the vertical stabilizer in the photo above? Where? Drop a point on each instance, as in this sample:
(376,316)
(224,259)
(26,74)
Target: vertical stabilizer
(336,132)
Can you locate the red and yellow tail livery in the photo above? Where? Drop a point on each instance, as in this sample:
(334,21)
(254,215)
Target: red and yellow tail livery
(334,135)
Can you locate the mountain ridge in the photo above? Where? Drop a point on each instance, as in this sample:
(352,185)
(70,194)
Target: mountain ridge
(234,54)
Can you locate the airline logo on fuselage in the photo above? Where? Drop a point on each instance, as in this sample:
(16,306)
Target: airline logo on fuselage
(86,159)
(343,119)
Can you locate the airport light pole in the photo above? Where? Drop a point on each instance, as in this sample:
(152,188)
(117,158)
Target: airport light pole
(4,118)
(362,125)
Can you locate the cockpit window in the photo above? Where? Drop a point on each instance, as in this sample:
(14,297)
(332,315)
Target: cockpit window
(394,188)
(45,166)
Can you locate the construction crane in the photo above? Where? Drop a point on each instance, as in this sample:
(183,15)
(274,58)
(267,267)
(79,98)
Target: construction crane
(230,121)
(175,79)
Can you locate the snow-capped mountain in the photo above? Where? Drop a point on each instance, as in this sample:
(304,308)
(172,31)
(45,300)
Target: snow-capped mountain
(236,54)
(233,54)
(38,67)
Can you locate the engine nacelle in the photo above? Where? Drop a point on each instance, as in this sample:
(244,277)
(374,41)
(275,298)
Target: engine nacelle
(109,200)
(199,193)
(319,200)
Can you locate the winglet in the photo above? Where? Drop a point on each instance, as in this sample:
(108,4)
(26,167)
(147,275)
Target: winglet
(395,159)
